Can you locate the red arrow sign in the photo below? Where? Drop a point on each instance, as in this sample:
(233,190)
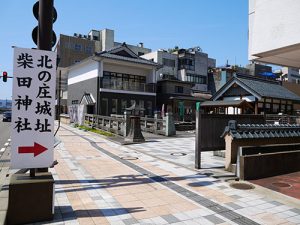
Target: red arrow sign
(36,149)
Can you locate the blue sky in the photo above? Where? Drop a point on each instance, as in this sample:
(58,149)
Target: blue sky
(219,27)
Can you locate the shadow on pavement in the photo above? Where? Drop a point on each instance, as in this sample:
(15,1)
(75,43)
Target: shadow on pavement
(64,213)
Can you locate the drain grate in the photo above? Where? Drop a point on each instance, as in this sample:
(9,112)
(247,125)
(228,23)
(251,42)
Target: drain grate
(129,158)
(242,186)
(281,185)
(178,154)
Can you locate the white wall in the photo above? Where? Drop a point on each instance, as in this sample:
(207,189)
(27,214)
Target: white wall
(83,71)
(273,24)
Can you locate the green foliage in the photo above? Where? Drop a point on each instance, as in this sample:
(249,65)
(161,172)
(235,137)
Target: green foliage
(104,133)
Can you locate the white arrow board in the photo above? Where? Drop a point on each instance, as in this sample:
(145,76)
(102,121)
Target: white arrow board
(32,124)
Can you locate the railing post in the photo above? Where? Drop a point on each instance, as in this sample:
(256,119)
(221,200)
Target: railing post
(170,125)
(109,124)
(155,128)
(103,123)
(145,124)
(126,123)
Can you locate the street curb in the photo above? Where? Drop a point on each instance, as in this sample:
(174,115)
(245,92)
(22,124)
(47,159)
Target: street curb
(4,184)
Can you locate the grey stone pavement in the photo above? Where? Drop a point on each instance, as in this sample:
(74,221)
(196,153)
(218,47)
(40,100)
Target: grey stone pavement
(99,181)
(179,150)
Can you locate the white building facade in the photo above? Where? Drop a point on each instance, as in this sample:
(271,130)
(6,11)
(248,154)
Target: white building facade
(274,33)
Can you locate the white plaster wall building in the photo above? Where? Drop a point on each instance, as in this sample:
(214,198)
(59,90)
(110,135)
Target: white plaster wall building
(274,32)
(112,80)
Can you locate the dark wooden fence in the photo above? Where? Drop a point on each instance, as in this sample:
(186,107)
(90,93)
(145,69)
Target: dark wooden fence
(209,128)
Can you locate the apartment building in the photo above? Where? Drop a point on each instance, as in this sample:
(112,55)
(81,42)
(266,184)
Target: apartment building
(189,65)
(183,72)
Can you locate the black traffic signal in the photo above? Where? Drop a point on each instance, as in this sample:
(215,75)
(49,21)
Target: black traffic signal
(4,76)
(45,23)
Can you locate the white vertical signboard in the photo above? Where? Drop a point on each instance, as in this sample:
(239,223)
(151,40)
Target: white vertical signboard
(32,124)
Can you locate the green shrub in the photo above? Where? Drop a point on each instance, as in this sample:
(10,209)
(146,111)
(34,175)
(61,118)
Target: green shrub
(105,133)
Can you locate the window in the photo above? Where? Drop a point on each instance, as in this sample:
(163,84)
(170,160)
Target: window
(178,89)
(95,38)
(141,104)
(141,53)
(114,106)
(74,102)
(168,62)
(194,78)
(186,63)
(123,104)
(122,81)
(149,108)
(104,106)
(77,47)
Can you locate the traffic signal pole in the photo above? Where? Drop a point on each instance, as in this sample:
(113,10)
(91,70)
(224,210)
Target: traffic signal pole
(45,24)
(44,39)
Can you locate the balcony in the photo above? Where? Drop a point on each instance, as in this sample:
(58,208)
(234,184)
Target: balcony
(129,86)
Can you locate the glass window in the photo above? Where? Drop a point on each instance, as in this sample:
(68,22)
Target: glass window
(141,104)
(123,104)
(149,108)
(104,106)
(178,89)
(105,73)
(168,62)
(114,106)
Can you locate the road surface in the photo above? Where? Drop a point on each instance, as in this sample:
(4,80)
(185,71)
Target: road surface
(4,133)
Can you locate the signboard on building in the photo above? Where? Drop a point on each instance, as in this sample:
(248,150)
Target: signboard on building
(32,125)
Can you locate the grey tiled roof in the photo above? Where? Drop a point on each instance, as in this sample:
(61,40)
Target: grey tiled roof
(110,53)
(123,58)
(88,98)
(223,103)
(250,131)
(269,89)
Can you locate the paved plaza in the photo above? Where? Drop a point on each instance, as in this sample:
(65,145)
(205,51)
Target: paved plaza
(101,182)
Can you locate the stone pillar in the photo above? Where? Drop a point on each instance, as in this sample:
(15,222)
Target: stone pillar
(155,122)
(170,125)
(135,133)
(126,126)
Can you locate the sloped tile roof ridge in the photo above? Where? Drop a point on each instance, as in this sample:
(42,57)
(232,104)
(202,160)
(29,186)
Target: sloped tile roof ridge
(287,125)
(250,77)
